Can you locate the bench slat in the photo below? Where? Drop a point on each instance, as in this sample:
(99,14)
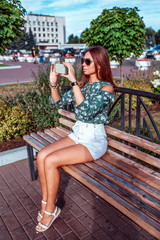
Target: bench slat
(66,122)
(133,139)
(40,139)
(126,165)
(52,134)
(128,177)
(33,142)
(120,191)
(46,137)
(67,114)
(132,212)
(58,132)
(134,152)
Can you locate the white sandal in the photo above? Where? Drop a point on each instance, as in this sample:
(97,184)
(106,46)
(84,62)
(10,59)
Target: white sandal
(39,217)
(56,213)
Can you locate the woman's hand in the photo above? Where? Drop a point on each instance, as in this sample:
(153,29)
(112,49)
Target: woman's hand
(53,77)
(71,73)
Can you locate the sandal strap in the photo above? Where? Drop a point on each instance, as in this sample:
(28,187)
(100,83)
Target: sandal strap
(42,225)
(44,202)
(49,213)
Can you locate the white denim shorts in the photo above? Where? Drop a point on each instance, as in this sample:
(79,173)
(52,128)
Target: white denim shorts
(92,136)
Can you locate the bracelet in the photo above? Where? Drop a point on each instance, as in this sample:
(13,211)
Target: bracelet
(53,86)
(74,84)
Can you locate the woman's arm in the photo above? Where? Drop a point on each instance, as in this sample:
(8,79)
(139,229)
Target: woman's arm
(53,78)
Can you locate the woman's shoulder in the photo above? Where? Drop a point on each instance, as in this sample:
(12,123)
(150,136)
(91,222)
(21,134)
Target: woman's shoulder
(106,86)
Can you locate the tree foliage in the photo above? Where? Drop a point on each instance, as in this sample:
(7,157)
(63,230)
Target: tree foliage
(120,30)
(11,22)
(74,39)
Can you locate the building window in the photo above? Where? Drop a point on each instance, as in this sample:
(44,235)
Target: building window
(34,22)
(39,23)
(56,35)
(56,24)
(29,22)
(39,35)
(47,29)
(44,34)
(43,29)
(47,23)
(43,23)
(52,35)
(34,29)
(52,29)
(48,40)
(39,29)
(56,40)
(34,34)
(56,29)
(48,34)
(52,40)
(52,24)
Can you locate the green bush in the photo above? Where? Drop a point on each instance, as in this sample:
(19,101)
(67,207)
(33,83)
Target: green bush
(14,121)
(139,85)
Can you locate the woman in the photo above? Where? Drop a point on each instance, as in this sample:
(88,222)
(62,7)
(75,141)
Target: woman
(88,140)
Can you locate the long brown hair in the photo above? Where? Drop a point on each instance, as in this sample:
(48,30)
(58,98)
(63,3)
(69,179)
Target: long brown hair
(100,58)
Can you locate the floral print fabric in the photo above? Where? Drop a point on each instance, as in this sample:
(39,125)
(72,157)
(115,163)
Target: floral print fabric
(94,108)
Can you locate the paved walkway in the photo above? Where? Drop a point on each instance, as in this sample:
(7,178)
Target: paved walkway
(24,74)
(84,215)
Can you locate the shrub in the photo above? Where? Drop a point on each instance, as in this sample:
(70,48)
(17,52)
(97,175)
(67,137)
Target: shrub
(14,121)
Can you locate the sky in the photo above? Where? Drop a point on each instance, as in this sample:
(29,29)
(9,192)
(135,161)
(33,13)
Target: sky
(79,13)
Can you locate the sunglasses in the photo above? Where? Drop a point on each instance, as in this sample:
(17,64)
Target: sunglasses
(87,61)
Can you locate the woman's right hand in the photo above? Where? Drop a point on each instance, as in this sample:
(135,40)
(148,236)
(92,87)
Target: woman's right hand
(53,77)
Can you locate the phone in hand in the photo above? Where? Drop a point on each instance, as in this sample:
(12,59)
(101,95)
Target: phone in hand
(60,68)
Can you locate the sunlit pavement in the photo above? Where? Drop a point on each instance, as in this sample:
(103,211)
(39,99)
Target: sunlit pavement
(24,74)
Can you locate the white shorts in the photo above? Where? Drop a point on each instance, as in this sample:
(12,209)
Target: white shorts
(92,136)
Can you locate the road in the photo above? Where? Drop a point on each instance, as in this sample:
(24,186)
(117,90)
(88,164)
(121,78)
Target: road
(24,74)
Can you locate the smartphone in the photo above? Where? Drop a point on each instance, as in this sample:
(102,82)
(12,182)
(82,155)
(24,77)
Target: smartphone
(60,68)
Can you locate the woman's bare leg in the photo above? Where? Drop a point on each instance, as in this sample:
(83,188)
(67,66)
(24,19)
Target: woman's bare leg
(62,143)
(67,156)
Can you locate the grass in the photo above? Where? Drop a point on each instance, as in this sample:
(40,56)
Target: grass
(4,65)
(14,88)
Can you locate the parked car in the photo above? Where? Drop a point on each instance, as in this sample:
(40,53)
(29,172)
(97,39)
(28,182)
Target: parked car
(151,53)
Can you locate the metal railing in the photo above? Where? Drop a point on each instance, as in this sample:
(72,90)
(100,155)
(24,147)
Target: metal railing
(123,118)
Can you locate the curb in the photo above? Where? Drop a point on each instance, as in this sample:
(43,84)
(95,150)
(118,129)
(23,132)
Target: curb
(13,155)
(10,67)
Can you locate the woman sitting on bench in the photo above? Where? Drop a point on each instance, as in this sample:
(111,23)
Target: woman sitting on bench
(88,141)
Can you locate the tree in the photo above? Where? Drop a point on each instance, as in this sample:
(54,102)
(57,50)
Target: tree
(11,22)
(150,37)
(157,37)
(74,39)
(120,30)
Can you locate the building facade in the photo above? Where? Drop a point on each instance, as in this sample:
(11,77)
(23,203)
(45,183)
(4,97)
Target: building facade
(48,31)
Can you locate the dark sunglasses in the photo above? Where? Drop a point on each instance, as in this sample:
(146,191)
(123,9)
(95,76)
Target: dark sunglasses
(86,60)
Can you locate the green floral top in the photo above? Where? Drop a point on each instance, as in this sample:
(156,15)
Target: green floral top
(94,108)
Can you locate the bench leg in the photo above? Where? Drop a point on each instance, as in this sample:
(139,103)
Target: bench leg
(31,162)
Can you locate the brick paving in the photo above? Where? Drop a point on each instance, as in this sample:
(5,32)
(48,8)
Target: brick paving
(84,215)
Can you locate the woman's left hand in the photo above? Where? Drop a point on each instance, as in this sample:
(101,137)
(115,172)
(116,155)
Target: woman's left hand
(71,73)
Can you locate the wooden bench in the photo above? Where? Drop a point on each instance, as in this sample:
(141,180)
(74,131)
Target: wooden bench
(126,177)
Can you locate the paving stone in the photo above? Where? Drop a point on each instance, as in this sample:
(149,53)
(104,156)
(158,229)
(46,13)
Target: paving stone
(113,217)
(1,198)
(132,233)
(14,203)
(4,209)
(91,211)
(52,234)
(29,204)
(106,225)
(75,210)
(61,227)
(11,221)
(78,199)
(22,216)
(85,193)
(89,223)
(78,228)
(19,233)
(147,235)
(119,236)
(1,222)
(5,235)
(71,236)
(67,215)
(7,193)
(101,235)
(31,231)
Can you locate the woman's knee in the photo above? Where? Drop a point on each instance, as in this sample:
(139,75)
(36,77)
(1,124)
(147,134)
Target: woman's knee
(42,154)
(51,161)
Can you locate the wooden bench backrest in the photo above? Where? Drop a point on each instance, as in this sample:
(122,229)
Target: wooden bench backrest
(123,143)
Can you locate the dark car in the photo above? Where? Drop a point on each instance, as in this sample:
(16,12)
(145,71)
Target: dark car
(151,53)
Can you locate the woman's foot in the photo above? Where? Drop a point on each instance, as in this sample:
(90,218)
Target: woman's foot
(47,220)
(40,213)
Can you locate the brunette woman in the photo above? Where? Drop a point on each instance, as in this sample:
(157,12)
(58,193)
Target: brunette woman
(88,141)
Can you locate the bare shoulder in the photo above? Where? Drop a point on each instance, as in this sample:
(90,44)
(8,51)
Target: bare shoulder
(108,88)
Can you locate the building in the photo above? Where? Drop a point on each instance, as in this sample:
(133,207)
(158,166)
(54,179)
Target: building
(48,31)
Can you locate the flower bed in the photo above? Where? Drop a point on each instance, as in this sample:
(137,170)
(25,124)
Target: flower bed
(143,63)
